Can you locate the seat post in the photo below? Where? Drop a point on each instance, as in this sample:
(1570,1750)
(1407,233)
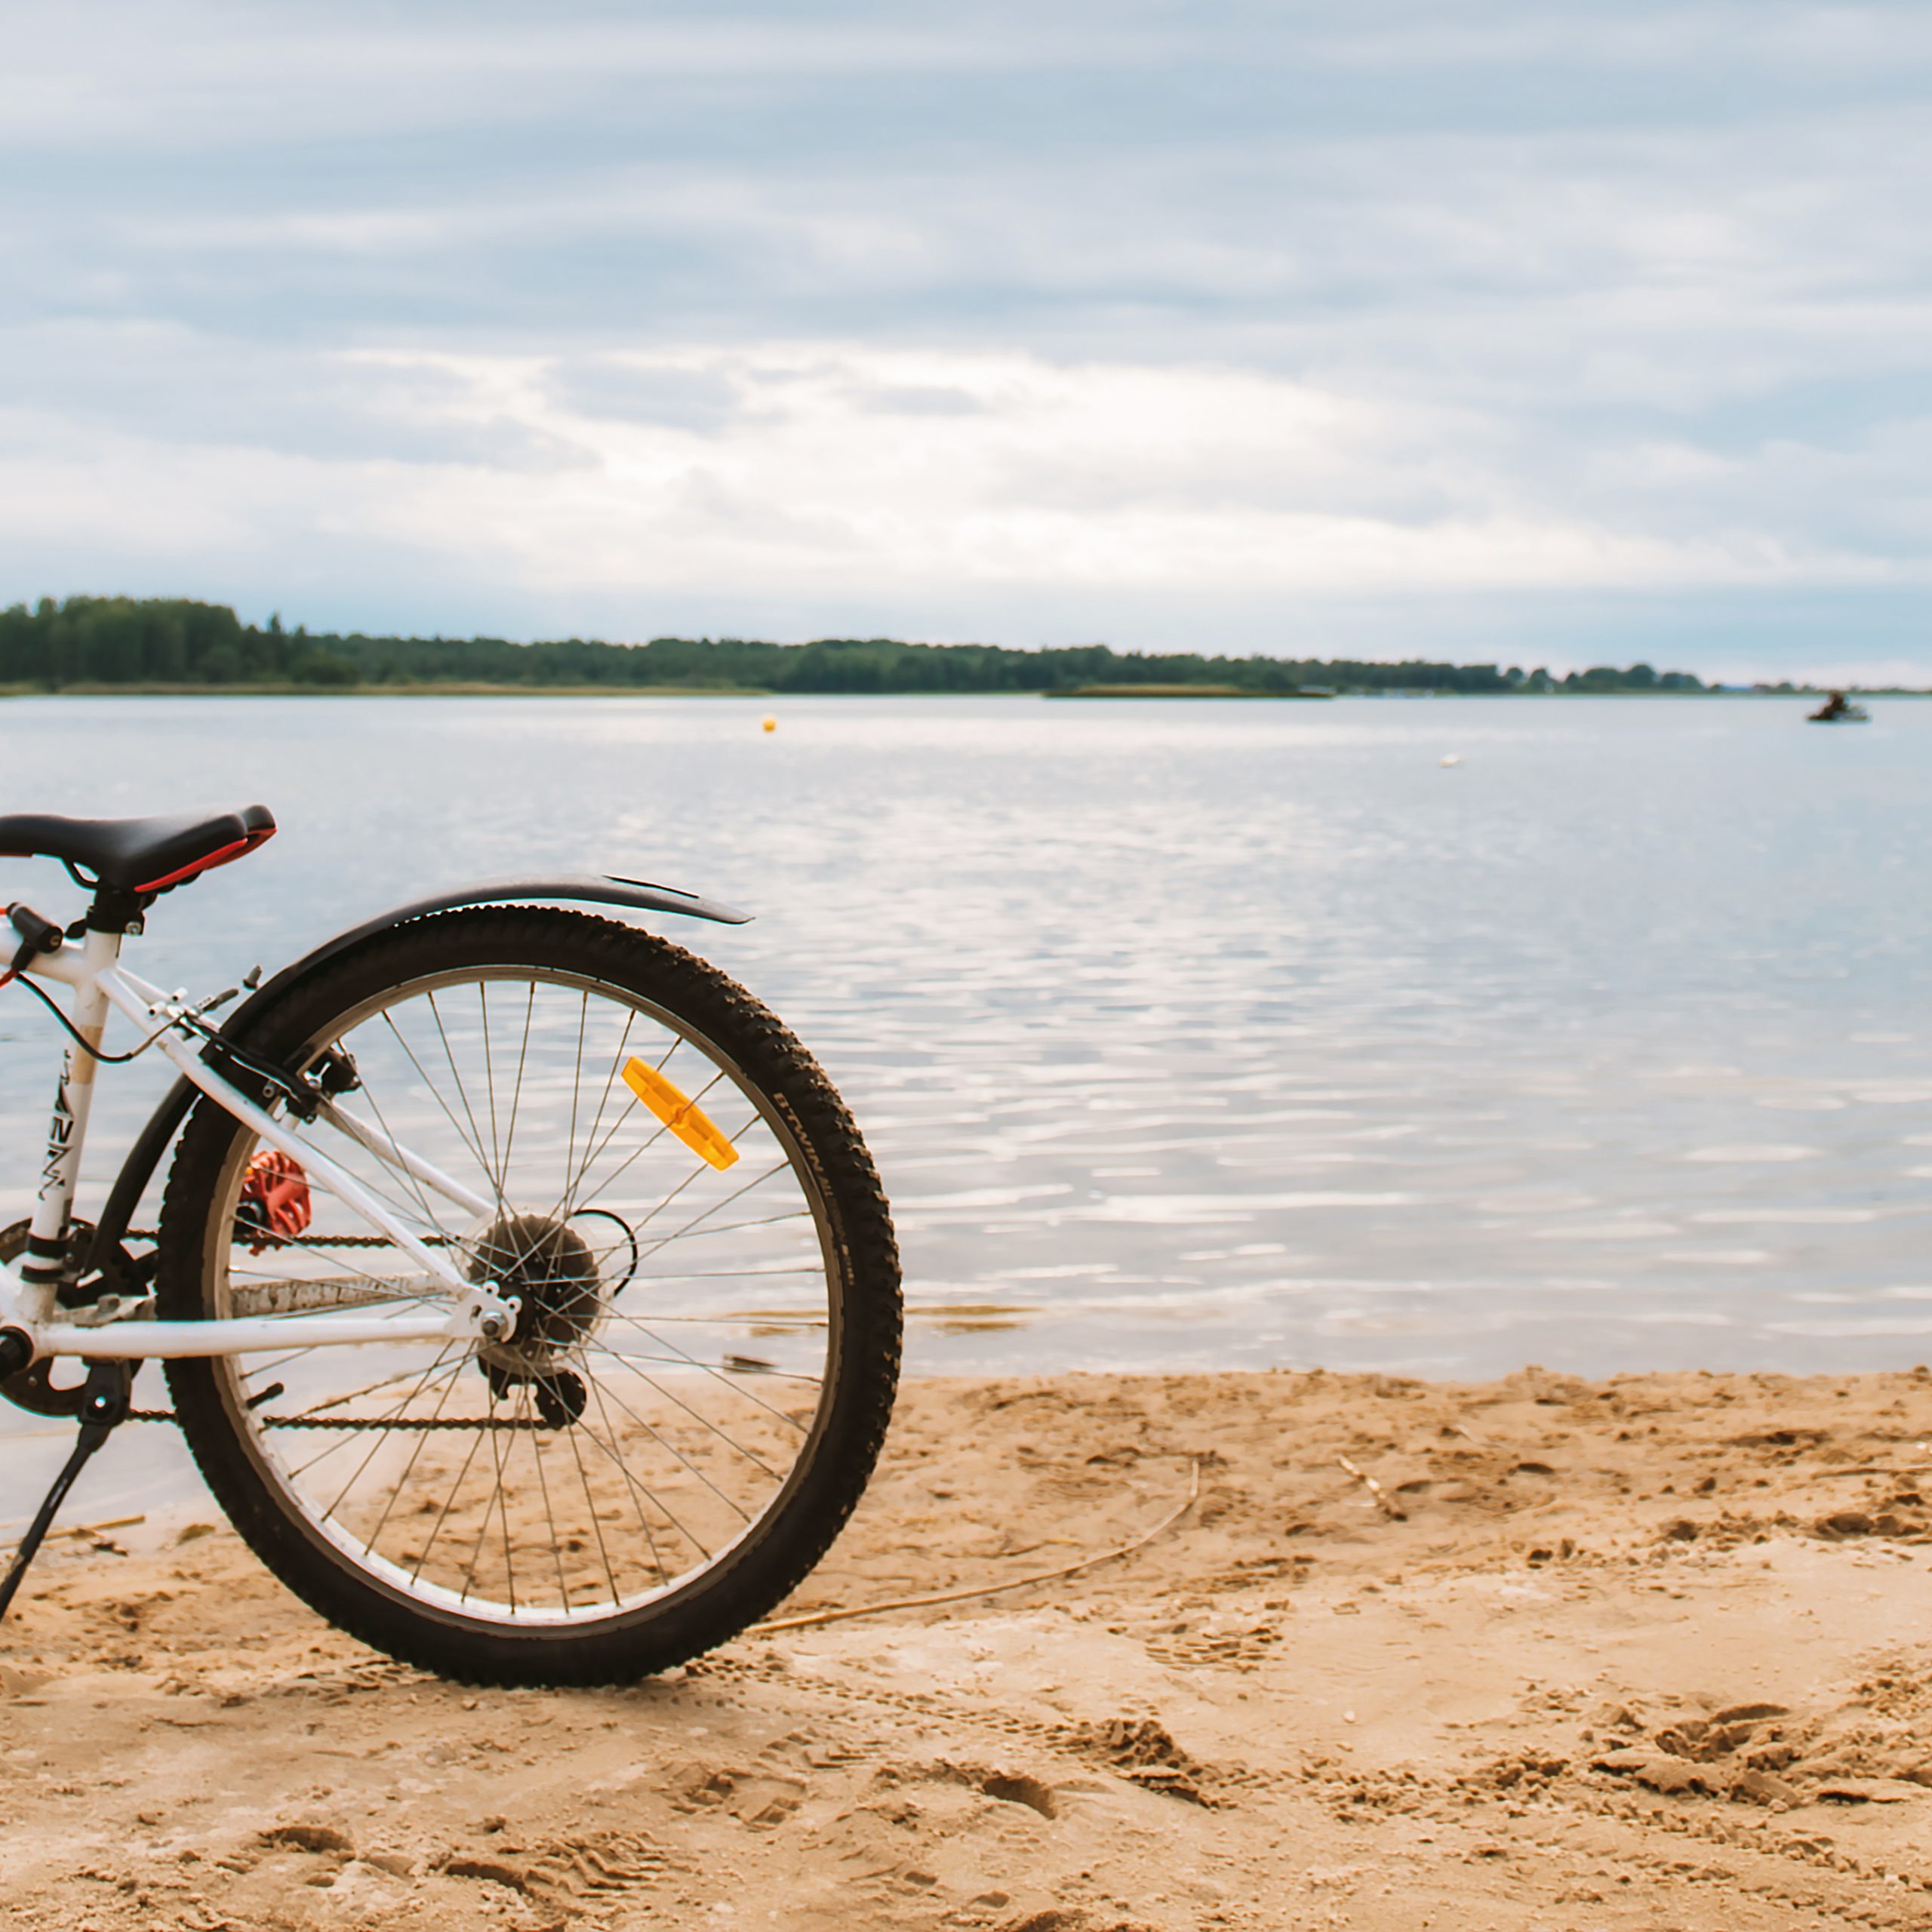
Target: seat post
(42,1266)
(115,910)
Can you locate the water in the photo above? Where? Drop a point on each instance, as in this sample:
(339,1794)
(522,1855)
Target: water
(1198,1034)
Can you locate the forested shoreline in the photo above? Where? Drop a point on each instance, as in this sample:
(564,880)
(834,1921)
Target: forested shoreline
(178,643)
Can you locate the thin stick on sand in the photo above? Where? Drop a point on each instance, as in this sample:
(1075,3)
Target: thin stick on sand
(1878,1469)
(1140,1542)
(1383,1501)
(12,1533)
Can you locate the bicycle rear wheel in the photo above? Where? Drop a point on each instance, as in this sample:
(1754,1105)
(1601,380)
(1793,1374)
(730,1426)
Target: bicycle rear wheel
(702,1377)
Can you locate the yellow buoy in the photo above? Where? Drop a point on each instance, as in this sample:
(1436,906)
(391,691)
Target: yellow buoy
(770,723)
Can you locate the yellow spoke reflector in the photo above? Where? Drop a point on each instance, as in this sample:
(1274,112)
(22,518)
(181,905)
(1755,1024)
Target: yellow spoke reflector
(681,1114)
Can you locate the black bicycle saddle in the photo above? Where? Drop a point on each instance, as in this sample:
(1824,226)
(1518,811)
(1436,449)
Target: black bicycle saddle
(138,854)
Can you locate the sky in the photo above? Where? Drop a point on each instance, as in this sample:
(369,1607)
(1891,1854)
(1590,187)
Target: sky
(1530,331)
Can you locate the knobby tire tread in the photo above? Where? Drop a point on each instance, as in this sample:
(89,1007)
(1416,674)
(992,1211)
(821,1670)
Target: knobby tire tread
(752,1581)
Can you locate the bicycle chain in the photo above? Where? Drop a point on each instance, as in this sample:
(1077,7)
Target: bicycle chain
(500,1425)
(318,1241)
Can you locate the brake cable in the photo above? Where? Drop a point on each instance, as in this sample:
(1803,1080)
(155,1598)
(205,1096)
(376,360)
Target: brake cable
(73,1032)
(288,1085)
(38,936)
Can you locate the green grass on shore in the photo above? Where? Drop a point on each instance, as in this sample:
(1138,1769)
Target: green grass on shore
(470,688)
(453,688)
(1180,690)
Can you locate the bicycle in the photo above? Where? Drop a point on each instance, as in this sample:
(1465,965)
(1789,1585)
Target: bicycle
(524,1291)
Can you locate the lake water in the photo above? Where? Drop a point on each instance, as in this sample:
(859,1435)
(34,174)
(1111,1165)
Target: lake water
(1197,1034)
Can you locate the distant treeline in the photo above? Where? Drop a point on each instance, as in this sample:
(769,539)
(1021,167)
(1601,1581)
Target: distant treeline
(128,640)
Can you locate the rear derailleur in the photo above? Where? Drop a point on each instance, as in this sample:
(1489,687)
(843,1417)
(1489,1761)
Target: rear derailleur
(559,1392)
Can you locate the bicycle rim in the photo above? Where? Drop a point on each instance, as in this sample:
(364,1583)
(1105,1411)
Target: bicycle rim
(682,1305)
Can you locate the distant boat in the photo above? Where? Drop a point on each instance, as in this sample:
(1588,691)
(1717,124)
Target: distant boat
(1839,709)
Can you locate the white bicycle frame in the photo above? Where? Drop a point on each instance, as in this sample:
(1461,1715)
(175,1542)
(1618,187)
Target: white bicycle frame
(28,1302)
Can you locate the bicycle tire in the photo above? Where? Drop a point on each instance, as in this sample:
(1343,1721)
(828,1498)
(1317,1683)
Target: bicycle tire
(567,1385)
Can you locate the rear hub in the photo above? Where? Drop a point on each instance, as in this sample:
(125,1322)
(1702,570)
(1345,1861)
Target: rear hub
(551,1271)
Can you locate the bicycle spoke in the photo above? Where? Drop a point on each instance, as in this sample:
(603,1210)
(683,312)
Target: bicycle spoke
(577,1084)
(663,1241)
(550,1517)
(401,1483)
(684,1362)
(339,1401)
(490,1089)
(442,1356)
(703,1421)
(671,1449)
(522,1059)
(429,1214)
(483,1533)
(617,1059)
(462,1093)
(571,1199)
(597,1525)
(721,1275)
(738,1227)
(436,1094)
(582,1202)
(637,1489)
(705,1368)
(443,1515)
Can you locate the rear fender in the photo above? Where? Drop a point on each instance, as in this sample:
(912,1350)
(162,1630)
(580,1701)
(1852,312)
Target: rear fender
(153,1141)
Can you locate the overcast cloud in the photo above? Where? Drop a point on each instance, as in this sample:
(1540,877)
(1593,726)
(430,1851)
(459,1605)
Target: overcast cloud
(1542,332)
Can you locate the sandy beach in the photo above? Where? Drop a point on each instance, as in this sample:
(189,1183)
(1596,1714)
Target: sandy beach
(1650,1653)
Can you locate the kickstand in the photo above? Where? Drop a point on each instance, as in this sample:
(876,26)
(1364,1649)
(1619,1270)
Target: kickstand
(103,1405)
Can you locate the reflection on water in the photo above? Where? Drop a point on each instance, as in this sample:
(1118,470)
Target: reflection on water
(1210,1035)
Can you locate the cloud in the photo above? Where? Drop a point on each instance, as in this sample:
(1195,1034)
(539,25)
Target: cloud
(802,468)
(1169,323)
(674,395)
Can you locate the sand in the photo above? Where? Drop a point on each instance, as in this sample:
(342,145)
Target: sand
(1653,1652)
